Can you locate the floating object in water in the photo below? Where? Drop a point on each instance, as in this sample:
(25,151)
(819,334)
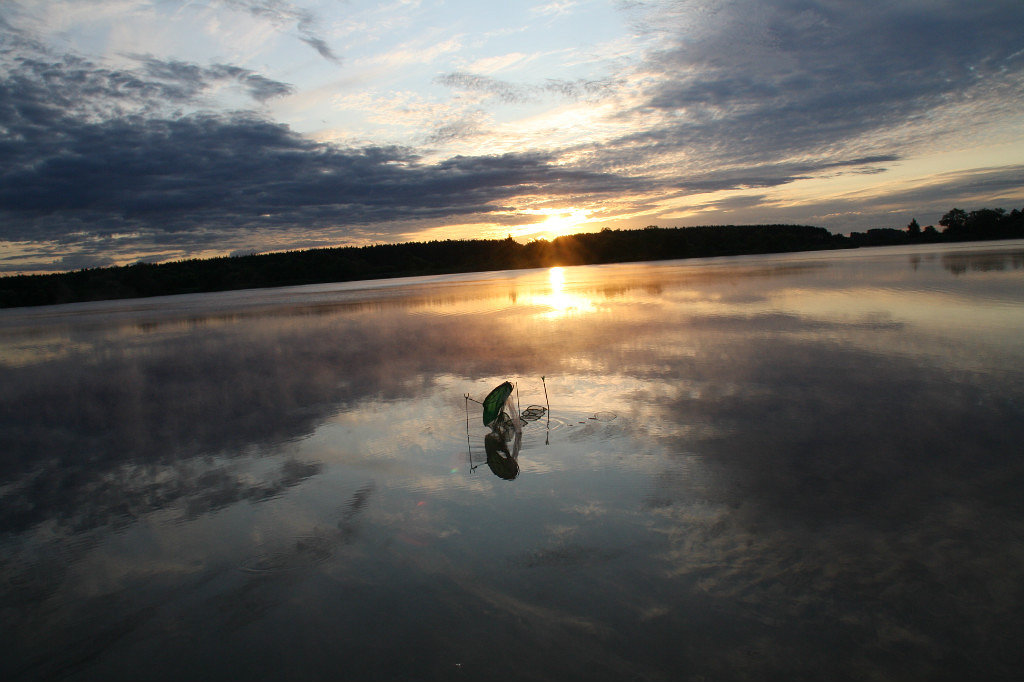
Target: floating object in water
(533,413)
(502,415)
(494,402)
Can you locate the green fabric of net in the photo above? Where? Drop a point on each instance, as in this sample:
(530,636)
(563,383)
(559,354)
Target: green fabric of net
(494,402)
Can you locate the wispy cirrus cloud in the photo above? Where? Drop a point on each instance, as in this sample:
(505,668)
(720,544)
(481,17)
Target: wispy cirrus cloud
(284,13)
(555,8)
(517,93)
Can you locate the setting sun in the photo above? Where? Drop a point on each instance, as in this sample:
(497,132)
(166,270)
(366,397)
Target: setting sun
(563,221)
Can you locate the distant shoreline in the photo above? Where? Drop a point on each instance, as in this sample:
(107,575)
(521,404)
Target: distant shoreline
(411,259)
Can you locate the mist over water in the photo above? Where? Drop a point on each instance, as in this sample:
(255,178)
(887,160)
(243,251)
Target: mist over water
(802,466)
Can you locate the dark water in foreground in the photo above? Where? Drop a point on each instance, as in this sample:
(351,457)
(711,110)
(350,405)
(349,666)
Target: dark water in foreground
(783,467)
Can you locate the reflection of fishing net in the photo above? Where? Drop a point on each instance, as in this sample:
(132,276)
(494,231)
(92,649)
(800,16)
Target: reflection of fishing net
(503,426)
(533,413)
(499,459)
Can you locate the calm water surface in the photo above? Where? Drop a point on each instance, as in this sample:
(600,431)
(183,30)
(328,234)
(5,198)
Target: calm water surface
(786,467)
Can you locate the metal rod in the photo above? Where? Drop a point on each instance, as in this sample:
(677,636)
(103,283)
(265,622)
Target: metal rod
(469,448)
(547,403)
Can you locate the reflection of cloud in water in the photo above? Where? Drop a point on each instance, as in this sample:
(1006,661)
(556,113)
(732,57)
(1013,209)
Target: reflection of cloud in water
(304,552)
(785,490)
(941,599)
(83,500)
(847,487)
(175,392)
(565,556)
(146,609)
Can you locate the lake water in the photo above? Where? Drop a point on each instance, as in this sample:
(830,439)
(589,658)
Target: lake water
(803,466)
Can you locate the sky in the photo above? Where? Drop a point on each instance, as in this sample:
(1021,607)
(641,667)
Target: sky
(155,130)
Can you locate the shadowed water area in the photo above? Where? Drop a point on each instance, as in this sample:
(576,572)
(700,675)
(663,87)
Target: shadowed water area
(803,466)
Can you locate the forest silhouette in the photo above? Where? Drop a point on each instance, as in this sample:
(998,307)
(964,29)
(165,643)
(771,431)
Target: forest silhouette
(382,261)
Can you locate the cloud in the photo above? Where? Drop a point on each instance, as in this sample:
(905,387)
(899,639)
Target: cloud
(500,62)
(710,98)
(79,261)
(40,89)
(221,174)
(774,175)
(420,51)
(766,82)
(885,205)
(554,8)
(193,79)
(515,93)
(983,184)
(926,199)
(92,151)
(283,13)
(463,127)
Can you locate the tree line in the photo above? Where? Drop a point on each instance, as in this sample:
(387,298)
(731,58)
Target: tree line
(382,261)
(957,225)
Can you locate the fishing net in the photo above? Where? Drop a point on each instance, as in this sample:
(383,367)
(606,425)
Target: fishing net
(502,416)
(533,413)
(501,411)
(508,422)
